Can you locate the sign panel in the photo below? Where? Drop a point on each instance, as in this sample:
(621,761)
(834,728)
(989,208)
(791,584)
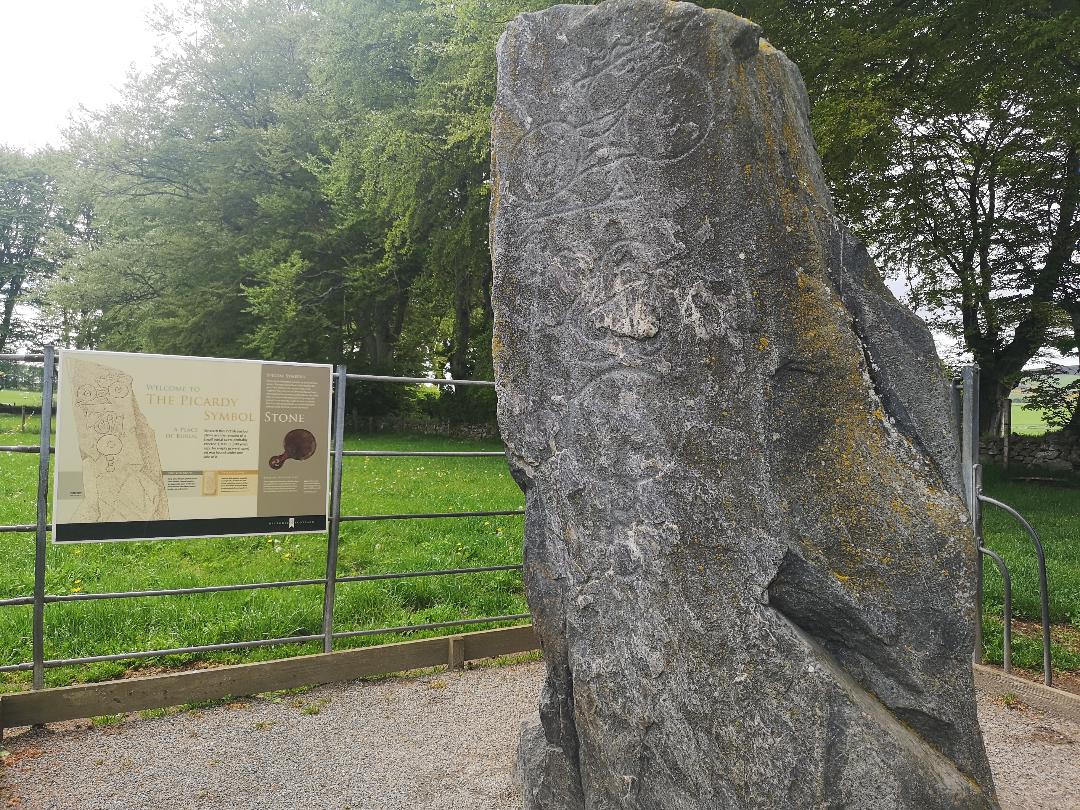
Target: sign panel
(154,446)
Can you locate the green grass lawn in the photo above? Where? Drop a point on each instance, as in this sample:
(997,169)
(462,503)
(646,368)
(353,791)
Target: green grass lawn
(8,397)
(1027,421)
(381,486)
(1054,511)
(370,486)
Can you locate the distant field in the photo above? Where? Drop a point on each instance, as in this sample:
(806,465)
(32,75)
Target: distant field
(1027,421)
(20,398)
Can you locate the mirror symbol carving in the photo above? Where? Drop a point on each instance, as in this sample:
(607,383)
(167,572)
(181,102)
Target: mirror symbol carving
(299,445)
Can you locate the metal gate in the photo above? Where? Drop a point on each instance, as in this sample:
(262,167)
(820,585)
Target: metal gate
(39,599)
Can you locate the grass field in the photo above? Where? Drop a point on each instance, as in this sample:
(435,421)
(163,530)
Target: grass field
(20,398)
(380,486)
(1054,511)
(1028,421)
(370,486)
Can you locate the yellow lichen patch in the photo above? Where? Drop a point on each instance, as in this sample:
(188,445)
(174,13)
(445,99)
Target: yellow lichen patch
(852,459)
(879,414)
(496,347)
(748,170)
(763,344)
(791,139)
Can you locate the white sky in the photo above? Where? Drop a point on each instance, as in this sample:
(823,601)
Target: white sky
(58,54)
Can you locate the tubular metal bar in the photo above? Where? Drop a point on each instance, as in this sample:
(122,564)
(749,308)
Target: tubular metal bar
(956,400)
(1044,597)
(232,645)
(443,572)
(241,645)
(344,518)
(417,380)
(419,453)
(25,358)
(23,448)
(250,586)
(1006,647)
(41,540)
(22,527)
(969,459)
(433,626)
(330,589)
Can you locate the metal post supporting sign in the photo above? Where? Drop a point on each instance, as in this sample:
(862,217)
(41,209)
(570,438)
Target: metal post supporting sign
(41,539)
(333,529)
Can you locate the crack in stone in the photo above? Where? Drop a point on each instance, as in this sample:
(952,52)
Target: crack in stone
(950,775)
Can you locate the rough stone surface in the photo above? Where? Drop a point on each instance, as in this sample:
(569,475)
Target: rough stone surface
(746,555)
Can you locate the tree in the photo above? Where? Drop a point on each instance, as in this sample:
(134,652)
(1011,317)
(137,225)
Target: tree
(950,133)
(33,240)
(190,176)
(412,86)
(1056,398)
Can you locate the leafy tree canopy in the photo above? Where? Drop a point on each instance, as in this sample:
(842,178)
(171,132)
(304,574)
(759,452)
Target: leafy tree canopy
(309,180)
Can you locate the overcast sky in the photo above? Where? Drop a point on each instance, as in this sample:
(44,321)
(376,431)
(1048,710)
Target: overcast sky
(57,54)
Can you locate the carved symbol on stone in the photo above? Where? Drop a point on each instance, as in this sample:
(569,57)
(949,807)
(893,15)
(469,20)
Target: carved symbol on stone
(669,113)
(624,302)
(551,152)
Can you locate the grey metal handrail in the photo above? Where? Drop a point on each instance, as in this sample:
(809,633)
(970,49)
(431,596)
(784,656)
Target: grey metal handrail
(419,380)
(1044,589)
(1003,569)
(51,599)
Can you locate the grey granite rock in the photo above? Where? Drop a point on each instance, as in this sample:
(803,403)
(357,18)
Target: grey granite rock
(746,554)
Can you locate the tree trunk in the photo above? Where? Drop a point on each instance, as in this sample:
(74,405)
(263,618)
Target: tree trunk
(459,349)
(14,286)
(994,390)
(1074,316)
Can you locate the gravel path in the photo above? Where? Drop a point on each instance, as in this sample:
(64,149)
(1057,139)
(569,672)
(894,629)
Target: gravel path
(431,743)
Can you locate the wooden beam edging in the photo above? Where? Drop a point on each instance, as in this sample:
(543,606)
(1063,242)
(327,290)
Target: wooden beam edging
(997,683)
(174,689)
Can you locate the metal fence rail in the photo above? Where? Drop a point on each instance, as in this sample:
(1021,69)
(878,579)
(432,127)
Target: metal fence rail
(39,599)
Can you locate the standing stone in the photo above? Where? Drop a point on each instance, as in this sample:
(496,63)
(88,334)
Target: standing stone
(745,551)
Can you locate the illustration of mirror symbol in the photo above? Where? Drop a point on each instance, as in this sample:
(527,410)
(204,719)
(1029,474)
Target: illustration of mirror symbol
(299,444)
(109,446)
(292,523)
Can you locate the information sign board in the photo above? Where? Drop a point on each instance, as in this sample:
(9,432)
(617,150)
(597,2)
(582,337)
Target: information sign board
(155,446)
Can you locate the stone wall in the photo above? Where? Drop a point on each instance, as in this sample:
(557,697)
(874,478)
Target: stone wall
(1058,452)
